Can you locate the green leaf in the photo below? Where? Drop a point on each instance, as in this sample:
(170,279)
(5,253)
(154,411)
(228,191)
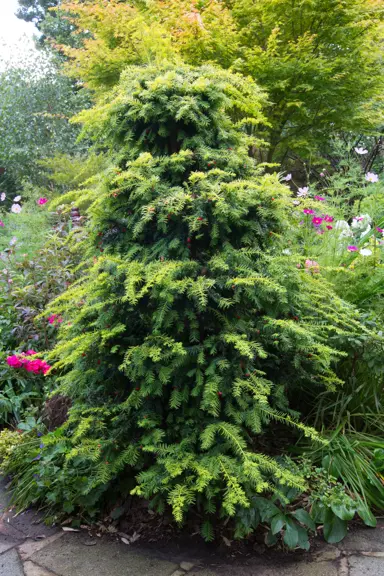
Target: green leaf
(318,513)
(343,512)
(303,541)
(366,515)
(68,507)
(291,535)
(277,523)
(270,539)
(266,508)
(304,518)
(334,529)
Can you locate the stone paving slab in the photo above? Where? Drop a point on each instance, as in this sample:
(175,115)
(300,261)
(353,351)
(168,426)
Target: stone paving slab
(68,556)
(6,542)
(292,569)
(364,540)
(366,566)
(32,569)
(29,523)
(10,564)
(29,547)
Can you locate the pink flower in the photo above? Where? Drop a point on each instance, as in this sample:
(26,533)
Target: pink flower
(312,266)
(303,192)
(328,218)
(14,361)
(371,177)
(36,366)
(319,198)
(55,319)
(287,178)
(308,211)
(1,224)
(316,220)
(352,248)
(329,227)
(42,201)
(322,174)
(379,229)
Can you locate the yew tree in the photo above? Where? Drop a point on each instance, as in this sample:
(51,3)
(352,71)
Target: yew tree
(182,340)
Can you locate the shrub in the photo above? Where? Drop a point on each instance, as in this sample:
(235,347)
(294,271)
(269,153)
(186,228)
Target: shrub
(181,341)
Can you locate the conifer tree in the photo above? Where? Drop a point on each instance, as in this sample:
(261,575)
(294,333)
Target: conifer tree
(183,339)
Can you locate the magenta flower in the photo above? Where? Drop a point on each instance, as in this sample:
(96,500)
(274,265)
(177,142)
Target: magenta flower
(329,227)
(30,352)
(308,211)
(55,319)
(14,361)
(316,220)
(36,366)
(328,218)
(1,224)
(352,249)
(379,229)
(319,198)
(42,201)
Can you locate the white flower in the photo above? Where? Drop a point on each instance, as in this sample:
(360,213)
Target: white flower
(296,202)
(343,226)
(361,151)
(288,177)
(303,192)
(17,199)
(362,223)
(13,241)
(287,251)
(3,196)
(365,252)
(16,208)
(371,177)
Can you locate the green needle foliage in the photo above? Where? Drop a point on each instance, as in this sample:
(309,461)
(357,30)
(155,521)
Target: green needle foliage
(180,342)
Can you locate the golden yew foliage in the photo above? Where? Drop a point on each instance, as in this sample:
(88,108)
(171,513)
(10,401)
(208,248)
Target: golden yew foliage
(120,34)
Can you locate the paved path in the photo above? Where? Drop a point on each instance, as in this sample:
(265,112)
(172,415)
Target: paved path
(29,548)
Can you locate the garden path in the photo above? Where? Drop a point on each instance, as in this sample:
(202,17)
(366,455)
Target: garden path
(29,548)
